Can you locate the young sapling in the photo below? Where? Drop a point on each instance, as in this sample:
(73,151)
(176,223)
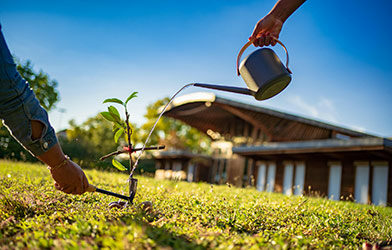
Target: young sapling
(123,128)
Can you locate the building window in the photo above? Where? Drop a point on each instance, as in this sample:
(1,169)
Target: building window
(288,177)
(177,173)
(217,171)
(177,166)
(271,171)
(191,171)
(224,171)
(167,165)
(335,179)
(361,191)
(299,178)
(261,176)
(245,175)
(380,183)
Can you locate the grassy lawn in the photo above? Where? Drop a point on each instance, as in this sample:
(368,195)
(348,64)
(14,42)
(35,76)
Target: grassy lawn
(185,215)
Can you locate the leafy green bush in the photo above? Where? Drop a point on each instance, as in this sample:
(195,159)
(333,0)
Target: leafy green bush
(184,216)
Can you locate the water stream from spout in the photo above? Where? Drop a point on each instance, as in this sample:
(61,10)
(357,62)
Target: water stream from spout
(153,127)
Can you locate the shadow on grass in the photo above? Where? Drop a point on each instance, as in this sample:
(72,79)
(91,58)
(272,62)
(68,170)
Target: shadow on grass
(164,238)
(161,236)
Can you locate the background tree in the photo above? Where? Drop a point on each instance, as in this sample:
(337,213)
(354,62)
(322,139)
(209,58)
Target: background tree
(172,133)
(87,142)
(46,91)
(43,87)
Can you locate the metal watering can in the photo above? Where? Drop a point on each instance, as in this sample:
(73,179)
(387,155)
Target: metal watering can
(262,71)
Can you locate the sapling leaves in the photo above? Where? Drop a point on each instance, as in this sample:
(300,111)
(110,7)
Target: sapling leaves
(133,95)
(108,116)
(115,100)
(118,165)
(119,125)
(118,134)
(116,126)
(114,113)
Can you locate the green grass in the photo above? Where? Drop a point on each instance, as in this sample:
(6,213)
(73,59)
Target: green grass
(185,215)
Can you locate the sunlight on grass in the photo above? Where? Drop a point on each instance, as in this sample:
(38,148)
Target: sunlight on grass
(185,215)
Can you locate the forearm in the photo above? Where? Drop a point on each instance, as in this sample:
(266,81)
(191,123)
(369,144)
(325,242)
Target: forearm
(284,8)
(19,108)
(53,157)
(28,123)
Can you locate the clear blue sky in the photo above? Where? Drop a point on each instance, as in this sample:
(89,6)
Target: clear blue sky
(340,54)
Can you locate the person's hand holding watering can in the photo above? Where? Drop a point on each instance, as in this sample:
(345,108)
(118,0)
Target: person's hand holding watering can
(267,30)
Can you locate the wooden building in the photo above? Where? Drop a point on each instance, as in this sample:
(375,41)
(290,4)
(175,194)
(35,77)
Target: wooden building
(182,165)
(280,152)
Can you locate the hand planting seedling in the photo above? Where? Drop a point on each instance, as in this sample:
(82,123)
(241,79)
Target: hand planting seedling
(122,128)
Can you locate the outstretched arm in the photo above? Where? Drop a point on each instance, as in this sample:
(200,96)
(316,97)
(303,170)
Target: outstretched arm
(269,27)
(29,124)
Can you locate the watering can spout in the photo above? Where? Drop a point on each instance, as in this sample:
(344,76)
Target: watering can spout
(243,91)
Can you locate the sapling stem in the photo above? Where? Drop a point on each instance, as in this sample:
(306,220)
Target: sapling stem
(133,150)
(113,116)
(112,153)
(129,133)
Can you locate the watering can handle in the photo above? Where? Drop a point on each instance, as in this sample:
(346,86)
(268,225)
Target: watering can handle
(249,43)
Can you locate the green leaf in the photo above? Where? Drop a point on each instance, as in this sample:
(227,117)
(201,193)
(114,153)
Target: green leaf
(124,124)
(108,116)
(116,126)
(115,100)
(114,112)
(118,134)
(118,165)
(133,95)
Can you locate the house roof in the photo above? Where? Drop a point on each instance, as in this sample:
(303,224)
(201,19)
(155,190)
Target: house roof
(382,146)
(179,154)
(206,111)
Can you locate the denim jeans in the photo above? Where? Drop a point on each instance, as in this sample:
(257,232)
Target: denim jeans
(19,106)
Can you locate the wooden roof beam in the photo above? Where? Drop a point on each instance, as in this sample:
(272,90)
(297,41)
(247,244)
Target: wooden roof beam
(249,119)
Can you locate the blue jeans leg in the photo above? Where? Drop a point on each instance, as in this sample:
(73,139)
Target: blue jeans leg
(19,106)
